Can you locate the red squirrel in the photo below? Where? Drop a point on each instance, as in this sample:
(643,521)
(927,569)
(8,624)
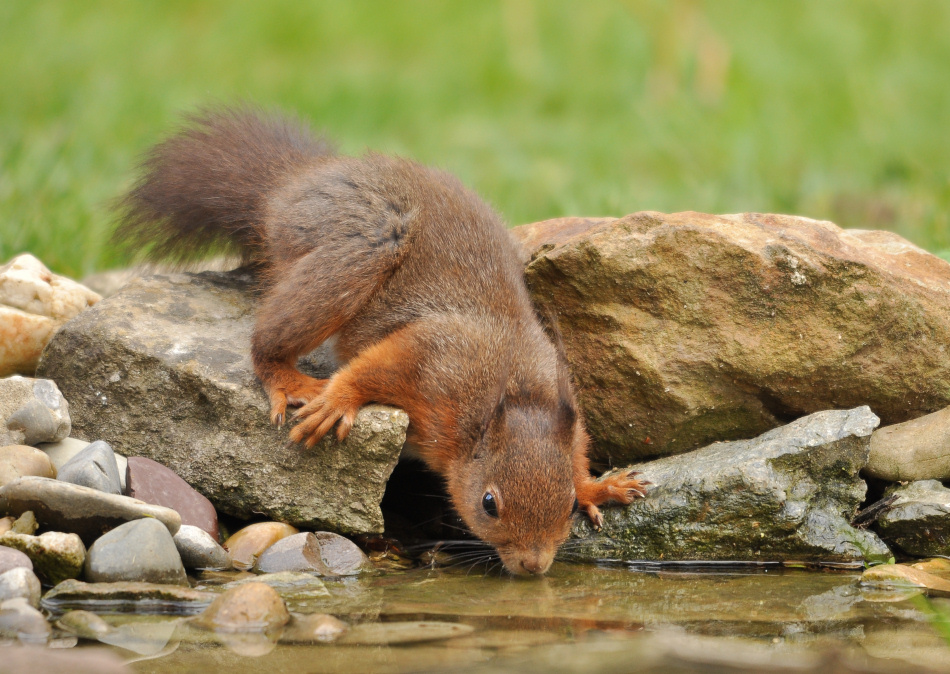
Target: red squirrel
(419,285)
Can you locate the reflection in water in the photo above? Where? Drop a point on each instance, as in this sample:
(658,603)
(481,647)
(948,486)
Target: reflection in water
(575,618)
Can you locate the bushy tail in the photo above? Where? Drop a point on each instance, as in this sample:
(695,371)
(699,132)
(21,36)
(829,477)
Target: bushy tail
(204,187)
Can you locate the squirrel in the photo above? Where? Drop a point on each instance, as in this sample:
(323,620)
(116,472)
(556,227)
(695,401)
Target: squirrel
(420,287)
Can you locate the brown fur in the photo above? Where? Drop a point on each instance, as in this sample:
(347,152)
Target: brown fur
(420,285)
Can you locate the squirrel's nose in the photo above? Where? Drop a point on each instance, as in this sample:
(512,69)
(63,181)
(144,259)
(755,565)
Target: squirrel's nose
(532,566)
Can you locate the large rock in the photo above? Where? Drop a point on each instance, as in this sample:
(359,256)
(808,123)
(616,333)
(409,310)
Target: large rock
(918,521)
(31,411)
(162,369)
(34,302)
(689,328)
(786,495)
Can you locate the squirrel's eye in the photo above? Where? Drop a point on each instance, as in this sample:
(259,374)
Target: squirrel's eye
(489,504)
(575,506)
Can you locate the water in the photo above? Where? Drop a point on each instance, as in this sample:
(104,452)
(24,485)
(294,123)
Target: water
(578,618)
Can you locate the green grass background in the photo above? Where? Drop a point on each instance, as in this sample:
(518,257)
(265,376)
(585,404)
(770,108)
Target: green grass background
(827,108)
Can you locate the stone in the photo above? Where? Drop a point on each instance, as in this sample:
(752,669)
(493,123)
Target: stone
(162,369)
(918,449)
(788,495)
(19,620)
(152,482)
(137,551)
(11,558)
(94,467)
(885,575)
(6,524)
(199,550)
(938,567)
(25,524)
(918,522)
(689,328)
(251,607)
(19,460)
(313,628)
(137,597)
(389,634)
(55,556)
(34,302)
(69,507)
(61,452)
(84,624)
(289,583)
(31,411)
(247,544)
(20,582)
(324,553)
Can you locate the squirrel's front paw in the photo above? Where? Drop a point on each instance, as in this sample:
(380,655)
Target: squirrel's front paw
(623,487)
(316,418)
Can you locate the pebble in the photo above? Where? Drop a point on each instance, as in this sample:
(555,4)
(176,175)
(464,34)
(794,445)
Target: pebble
(84,624)
(55,556)
(20,582)
(32,411)
(19,460)
(199,550)
(340,555)
(25,524)
(313,628)
(21,621)
(11,558)
(62,506)
(154,483)
(62,451)
(153,597)
(323,553)
(383,634)
(247,544)
(6,523)
(140,550)
(250,607)
(94,467)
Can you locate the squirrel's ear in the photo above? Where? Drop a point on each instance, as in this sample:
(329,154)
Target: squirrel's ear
(495,414)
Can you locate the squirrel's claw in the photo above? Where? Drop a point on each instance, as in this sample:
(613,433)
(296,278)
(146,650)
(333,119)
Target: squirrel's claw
(316,418)
(596,517)
(278,408)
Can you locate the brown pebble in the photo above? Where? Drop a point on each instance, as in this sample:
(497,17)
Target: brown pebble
(246,545)
(19,460)
(251,607)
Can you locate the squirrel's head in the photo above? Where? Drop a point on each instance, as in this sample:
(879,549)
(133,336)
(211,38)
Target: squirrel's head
(515,489)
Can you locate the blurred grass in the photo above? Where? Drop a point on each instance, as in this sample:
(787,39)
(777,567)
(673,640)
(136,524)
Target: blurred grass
(835,110)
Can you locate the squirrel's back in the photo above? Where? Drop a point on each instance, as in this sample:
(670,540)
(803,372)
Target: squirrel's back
(205,187)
